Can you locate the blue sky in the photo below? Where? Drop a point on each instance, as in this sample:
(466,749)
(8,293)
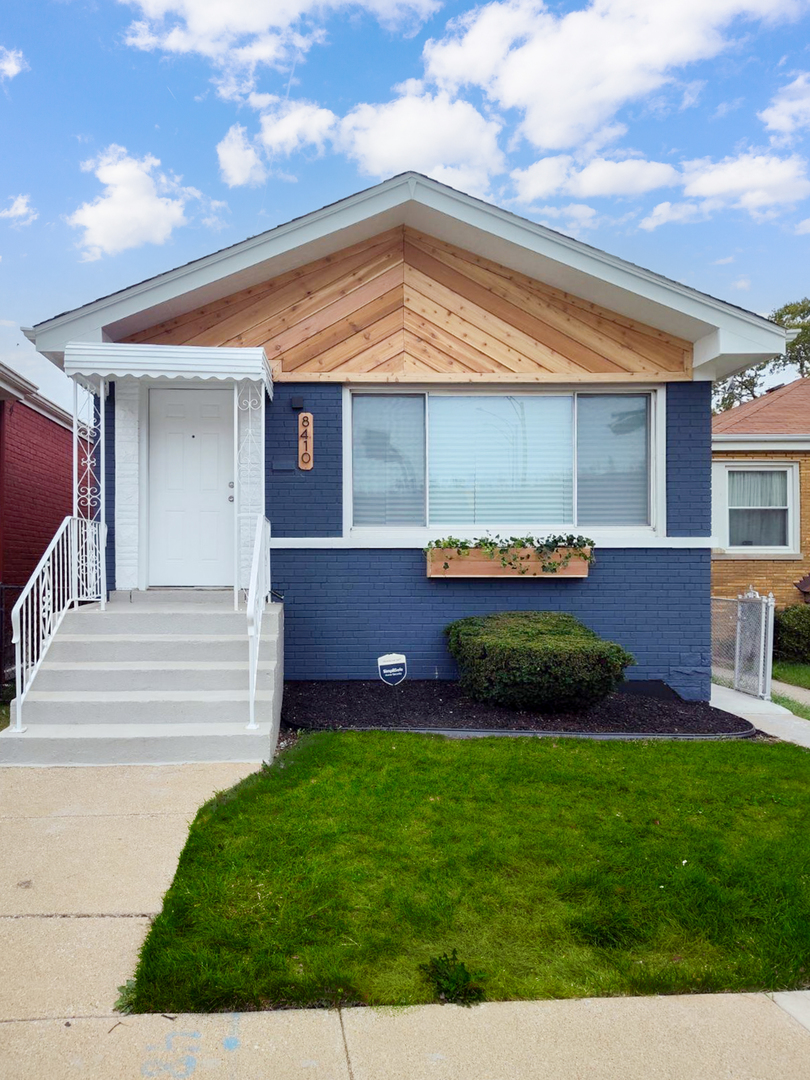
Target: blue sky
(139,135)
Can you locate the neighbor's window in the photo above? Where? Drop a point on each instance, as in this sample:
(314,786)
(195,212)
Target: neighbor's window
(758,508)
(506,459)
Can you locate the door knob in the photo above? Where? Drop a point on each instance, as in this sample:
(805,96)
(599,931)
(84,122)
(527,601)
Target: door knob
(231,484)
(230,498)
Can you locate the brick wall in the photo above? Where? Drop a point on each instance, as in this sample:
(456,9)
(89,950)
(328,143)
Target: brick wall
(689,466)
(343,608)
(305,503)
(732,575)
(37,487)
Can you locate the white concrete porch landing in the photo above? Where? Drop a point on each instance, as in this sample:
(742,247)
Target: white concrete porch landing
(159,677)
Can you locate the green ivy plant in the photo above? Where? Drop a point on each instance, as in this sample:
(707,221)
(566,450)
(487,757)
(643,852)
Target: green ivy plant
(515,552)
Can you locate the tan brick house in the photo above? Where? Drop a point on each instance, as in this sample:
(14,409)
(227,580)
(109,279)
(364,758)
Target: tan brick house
(761,494)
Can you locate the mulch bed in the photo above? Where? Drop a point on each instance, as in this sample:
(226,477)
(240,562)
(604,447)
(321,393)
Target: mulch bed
(440,703)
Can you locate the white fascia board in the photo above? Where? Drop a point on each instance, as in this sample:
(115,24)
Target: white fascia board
(487,230)
(115,360)
(765,442)
(14,386)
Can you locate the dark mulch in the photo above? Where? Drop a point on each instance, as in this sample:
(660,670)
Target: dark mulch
(440,703)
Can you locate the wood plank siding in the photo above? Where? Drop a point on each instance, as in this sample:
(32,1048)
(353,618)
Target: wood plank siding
(404,307)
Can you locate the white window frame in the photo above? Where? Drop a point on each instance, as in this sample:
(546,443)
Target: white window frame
(720,508)
(605,535)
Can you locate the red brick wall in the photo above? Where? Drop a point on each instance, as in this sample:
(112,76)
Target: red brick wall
(35,487)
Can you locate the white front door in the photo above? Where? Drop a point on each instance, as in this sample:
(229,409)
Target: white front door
(191,475)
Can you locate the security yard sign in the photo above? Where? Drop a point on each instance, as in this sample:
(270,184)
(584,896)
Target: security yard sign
(393,667)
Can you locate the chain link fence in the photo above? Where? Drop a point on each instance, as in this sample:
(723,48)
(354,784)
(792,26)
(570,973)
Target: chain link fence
(742,643)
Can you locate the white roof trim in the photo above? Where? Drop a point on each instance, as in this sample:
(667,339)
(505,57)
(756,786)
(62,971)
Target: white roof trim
(726,338)
(764,442)
(114,360)
(15,387)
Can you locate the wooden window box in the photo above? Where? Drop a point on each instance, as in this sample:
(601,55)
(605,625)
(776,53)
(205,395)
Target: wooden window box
(476,563)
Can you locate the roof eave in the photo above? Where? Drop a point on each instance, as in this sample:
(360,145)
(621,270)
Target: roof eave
(726,338)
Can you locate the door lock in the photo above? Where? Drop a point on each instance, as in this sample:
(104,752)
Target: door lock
(231,484)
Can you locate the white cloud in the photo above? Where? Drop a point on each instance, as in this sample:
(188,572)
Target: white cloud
(290,126)
(803,227)
(742,283)
(12,62)
(239,162)
(541,179)
(667,212)
(21,212)
(758,183)
(433,134)
(633,176)
(569,74)
(574,218)
(723,262)
(600,177)
(789,110)
(139,204)
(241,36)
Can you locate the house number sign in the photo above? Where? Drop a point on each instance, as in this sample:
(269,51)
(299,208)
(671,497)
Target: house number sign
(305,440)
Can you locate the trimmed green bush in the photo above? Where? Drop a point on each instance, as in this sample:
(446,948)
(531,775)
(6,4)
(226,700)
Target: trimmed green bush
(541,661)
(791,633)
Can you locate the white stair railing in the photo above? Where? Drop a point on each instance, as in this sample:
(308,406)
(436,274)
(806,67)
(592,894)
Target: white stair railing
(258,595)
(71,571)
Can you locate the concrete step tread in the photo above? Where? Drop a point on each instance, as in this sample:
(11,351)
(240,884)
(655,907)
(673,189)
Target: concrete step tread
(202,639)
(89,697)
(132,731)
(143,610)
(152,665)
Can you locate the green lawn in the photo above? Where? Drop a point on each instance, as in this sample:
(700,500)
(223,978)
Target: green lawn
(795,673)
(795,707)
(557,869)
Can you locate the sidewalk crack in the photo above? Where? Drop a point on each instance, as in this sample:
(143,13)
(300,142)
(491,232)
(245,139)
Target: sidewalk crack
(345,1044)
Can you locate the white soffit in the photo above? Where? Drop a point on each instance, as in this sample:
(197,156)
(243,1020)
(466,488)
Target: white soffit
(727,338)
(114,360)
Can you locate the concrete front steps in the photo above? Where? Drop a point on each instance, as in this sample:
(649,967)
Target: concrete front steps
(160,676)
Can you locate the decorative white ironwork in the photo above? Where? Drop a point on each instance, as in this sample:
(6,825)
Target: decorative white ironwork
(258,595)
(72,571)
(249,398)
(88,450)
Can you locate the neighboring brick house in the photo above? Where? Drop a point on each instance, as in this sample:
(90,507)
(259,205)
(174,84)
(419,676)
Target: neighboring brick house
(761,494)
(35,487)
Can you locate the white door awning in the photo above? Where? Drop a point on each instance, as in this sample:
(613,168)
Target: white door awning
(88,362)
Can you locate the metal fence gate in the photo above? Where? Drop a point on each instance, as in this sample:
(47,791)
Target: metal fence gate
(742,643)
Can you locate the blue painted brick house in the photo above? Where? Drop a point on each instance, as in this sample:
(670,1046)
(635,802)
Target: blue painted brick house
(464,372)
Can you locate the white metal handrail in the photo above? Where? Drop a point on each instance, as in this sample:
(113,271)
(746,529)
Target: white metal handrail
(71,571)
(257,597)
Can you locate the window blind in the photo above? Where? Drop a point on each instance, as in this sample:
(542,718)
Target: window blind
(613,486)
(388,459)
(500,460)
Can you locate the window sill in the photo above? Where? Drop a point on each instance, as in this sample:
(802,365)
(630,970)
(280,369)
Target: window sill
(762,554)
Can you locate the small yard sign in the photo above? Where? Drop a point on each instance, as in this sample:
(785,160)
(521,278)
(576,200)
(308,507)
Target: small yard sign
(393,667)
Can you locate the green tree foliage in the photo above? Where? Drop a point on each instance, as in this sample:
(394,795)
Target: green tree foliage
(750,383)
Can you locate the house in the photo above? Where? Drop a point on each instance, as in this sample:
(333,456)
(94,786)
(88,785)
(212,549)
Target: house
(761,494)
(36,490)
(404,364)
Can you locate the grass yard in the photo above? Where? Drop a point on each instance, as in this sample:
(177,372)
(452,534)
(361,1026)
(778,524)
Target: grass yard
(556,869)
(795,707)
(793,672)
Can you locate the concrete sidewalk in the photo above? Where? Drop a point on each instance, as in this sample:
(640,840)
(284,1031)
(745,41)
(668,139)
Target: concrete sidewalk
(87,856)
(765,715)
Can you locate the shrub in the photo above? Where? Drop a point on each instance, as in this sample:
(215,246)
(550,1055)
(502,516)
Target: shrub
(791,633)
(542,661)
